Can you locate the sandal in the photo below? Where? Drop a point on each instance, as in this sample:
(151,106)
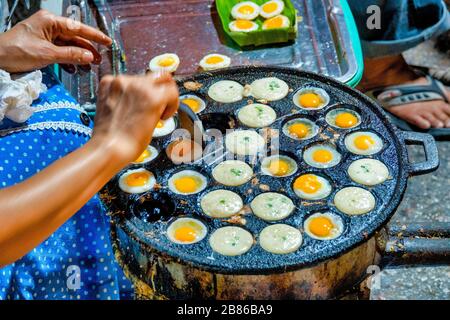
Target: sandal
(392,96)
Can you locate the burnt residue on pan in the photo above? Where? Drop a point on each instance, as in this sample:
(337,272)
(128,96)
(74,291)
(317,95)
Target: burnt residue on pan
(147,225)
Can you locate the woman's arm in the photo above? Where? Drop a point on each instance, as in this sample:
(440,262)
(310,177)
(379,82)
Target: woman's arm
(32,210)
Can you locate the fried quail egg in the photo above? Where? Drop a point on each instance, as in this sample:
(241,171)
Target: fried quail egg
(186,231)
(232,173)
(187,182)
(280,239)
(278,166)
(270,89)
(231,241)
(276,22)
(343,118)
(226,91)
(363,143)
(322,156)
(214,61)
(137,181)
(311,187)
(149,154)
(257,115)
(311,98)
(221,203)
(243,26)
(271,9)
(354,201)
(271,206)
(300,129)
(244,142)
(323,226)
(369,172)
(164,127)
(166,62)
(184,151)
(246,10)
(195,103)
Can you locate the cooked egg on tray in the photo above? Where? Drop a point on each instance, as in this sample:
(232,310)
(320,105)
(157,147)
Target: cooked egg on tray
(164,127)
(221,203)
(278,166)
(186,231)
(166,62)
(137,181)
(272,206)
(322,156)
(323,226)
(257,115)
(243,26)
(369,172)
(343,118)
(149,154)
(187,182)
(311,187)
(226,91)
(271,9)
(244,142)
(270,89)
(354,201)
(184,151)
(363,143)
(300,129)
(246,10)
(232,173)
(277,22)
(192,101)
(311,98)
(214,61)
(280,239)
(231,241)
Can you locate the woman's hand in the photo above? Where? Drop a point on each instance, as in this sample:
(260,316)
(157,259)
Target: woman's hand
(44,39)
(128,109)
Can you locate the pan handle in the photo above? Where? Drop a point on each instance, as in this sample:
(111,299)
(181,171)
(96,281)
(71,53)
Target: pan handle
(431,152)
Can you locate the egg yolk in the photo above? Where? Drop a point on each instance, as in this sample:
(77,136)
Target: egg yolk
(166,62)
(308,183)
(186,184)
(143,156)
(310,100)
(270,7)
(185,234)
(246,9)
(346,120)
(192,103)
(321,226)
(243,24)
(364,142)
(300,130)
(214,60)
(160,124)
(279,167)
(137,179)
(322,156)
(275,22)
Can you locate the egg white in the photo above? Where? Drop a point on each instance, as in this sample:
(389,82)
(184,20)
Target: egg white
(375,148)
(338,225)
(308,157)
(322,193)
(320,92)
(354,201)
(154,63)
(231,241)
(201,229)
(214,66)
(250,16)
(265,163)
(140,189)
(202,104)
(369,172)
(190,173)
(314,129)
(270,89)
(279,9)
(153,154)
(167,128)
(330,118)
(280,239)
(226,91)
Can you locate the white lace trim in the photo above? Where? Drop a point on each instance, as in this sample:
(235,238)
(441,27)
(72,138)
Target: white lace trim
(58,105)
(55,125)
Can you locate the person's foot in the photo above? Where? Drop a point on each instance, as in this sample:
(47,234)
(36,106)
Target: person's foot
(390,71)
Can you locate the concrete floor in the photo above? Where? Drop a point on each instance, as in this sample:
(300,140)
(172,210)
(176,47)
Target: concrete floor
(427,199)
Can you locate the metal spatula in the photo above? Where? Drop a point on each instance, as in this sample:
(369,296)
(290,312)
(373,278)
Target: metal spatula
(189,120)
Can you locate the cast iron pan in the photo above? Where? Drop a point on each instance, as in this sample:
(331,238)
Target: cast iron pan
(144,218)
